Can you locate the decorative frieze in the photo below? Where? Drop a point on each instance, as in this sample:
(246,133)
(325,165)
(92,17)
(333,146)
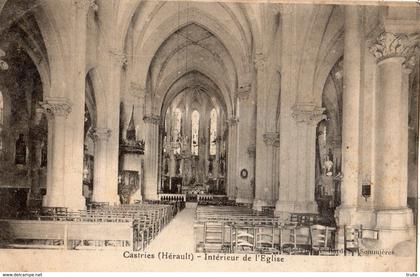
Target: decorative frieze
(390,45)
(101,133)
(56,106)
(152,119)
(308,114)
(272,139)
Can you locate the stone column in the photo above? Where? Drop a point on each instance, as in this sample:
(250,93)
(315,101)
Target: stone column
(231,158)
(394,53)
(102,190)
(350,165)
(263,166)
(246,145)
(57,110)
(75,39)
(111,66)
(151,156)
(307,117)
(297,192)
(265,186)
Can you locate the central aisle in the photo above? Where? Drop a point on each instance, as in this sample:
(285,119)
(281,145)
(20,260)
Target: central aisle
(177,236)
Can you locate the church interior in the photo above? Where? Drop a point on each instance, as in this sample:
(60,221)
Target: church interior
(237,127)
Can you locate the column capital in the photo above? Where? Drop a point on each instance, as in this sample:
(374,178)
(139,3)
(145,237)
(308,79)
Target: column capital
(410,63)
(86,4)
(56,106)
(390,45)
(272,139)
(309,114)
(244,92)
(232,121)
(101,134)
(260,61)
(152,119)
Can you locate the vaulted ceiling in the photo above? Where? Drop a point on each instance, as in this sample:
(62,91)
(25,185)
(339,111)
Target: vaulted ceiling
(191,48)
(171,40)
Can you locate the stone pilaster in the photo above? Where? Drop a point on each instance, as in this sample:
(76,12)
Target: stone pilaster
(151,156)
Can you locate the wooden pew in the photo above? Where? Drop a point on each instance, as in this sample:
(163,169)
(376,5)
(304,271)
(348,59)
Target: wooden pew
(66,234)
(101,226)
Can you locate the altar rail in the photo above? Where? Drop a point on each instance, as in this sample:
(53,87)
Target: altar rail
(207,197)
(172,197)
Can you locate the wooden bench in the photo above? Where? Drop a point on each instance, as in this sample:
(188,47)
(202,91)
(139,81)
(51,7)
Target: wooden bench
(133,225)
(71,234)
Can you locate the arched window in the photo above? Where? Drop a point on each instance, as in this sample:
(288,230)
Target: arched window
(213,131)
(176,124)
(195,125)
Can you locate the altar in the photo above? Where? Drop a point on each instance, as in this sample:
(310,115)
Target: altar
(189,174)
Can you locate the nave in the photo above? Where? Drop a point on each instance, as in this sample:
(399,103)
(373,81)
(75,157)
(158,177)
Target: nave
(179,227)
(178,236)
(168,102)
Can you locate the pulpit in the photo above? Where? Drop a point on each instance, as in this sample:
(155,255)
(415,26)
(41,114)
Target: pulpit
(131,170)
(129,187)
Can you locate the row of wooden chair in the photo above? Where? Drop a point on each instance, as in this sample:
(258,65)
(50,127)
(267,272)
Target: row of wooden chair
(287,238)
(238,229)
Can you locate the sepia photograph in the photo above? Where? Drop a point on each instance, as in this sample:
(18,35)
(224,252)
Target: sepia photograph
(148,135)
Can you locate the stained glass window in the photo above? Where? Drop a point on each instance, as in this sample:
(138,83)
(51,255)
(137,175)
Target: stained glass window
(176,124)
(213,131)
(195,124)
